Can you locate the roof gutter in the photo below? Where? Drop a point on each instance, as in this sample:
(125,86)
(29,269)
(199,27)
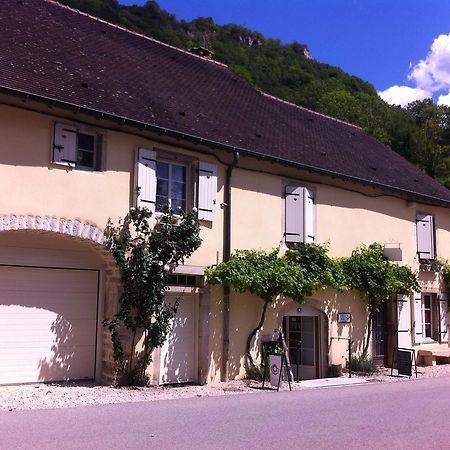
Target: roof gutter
(213,144)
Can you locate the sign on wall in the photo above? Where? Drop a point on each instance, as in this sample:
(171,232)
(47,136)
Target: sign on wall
(344,317)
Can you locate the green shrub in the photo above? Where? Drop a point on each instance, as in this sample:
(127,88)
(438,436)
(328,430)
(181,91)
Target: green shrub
(362,364)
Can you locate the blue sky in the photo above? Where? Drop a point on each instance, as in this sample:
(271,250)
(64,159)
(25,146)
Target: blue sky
(381,41)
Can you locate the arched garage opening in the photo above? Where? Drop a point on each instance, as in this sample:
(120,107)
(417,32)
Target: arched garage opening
(55,289)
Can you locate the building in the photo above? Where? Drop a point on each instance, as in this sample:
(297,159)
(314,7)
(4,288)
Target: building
(90,111)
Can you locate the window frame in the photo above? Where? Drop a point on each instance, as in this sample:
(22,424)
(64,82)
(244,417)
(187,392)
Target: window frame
(98,158)
(431,323)
(171,163)
(95,156)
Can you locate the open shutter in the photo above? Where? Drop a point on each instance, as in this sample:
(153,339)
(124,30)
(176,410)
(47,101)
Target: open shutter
(403,321)
(309,216)
(425,236)
(294,214)
(207,191)
(418,333)
(64,144)
(146,179)
(443,314)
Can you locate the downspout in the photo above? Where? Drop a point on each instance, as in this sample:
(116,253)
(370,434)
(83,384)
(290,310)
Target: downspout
(226,257)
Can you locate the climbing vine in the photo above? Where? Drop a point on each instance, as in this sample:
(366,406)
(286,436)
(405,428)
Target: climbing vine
(376,279)
(306,268)
(146,253)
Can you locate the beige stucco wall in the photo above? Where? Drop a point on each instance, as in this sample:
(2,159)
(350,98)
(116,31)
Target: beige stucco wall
(246,311)
(36,187)
(31,185)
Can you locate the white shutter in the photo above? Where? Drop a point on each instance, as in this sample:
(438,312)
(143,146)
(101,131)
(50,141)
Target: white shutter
(403,321)
(418,332)
(443,315)
(207,191)
(309,216)
(425,236)
(65,144)
(294,214)
(146,179)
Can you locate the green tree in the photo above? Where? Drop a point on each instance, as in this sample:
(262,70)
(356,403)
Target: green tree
(146,255)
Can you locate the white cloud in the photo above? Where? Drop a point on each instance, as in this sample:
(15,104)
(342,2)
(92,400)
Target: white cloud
(433,72)
(429,75)
(402,95)
(444,100)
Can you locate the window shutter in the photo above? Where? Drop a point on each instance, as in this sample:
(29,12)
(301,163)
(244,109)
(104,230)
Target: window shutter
(146,179)
(294,214)
(418,334)
(207,191)
(309,216)
(64,144)
(443,314)
(425,236)
(403,321)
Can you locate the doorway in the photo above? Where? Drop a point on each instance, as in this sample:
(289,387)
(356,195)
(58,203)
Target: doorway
(302,341)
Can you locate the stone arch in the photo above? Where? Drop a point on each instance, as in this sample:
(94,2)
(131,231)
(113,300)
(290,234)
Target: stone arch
(93,239)
(74,228)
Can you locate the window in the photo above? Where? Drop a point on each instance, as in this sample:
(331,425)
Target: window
(430,317)
(76,148)
(427,317)
(170,186)
(425,236)
(162,183)
(299,215)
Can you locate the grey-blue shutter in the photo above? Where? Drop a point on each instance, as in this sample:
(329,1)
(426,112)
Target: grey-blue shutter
(310,236)
(443,316)
(418,331)
(294,214)
(207,191)
(64,144)
(425,236)
(403,321)
(146,179)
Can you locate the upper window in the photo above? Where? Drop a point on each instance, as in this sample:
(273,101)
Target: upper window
(299,215)
(76,148)
(170,186)
(425,235)
(162,183)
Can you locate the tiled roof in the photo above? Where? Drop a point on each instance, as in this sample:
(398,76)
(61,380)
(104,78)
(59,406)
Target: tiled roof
(51,51)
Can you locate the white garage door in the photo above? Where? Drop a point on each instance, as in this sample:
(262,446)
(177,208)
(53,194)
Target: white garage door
(48,321)
(178,354)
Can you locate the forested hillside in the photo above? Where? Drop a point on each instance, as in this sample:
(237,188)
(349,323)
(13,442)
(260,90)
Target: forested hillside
(420,132)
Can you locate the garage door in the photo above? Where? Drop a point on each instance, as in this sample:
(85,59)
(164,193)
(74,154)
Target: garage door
(48,322)
(178,354)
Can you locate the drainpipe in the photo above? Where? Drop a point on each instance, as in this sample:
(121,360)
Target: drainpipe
(226,257)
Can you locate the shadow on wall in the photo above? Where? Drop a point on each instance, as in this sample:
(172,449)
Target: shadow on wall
(215,334)
(58,366)
(178,353)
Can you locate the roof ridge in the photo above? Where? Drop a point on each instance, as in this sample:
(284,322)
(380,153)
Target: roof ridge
(119,27)
(310,110)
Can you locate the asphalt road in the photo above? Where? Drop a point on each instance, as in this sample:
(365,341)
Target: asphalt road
(411,415)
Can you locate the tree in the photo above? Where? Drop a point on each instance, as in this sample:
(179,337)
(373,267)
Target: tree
(376,279)
(264,274)
(146,255)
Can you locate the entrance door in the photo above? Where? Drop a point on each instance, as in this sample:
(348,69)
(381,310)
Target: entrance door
(301,339)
